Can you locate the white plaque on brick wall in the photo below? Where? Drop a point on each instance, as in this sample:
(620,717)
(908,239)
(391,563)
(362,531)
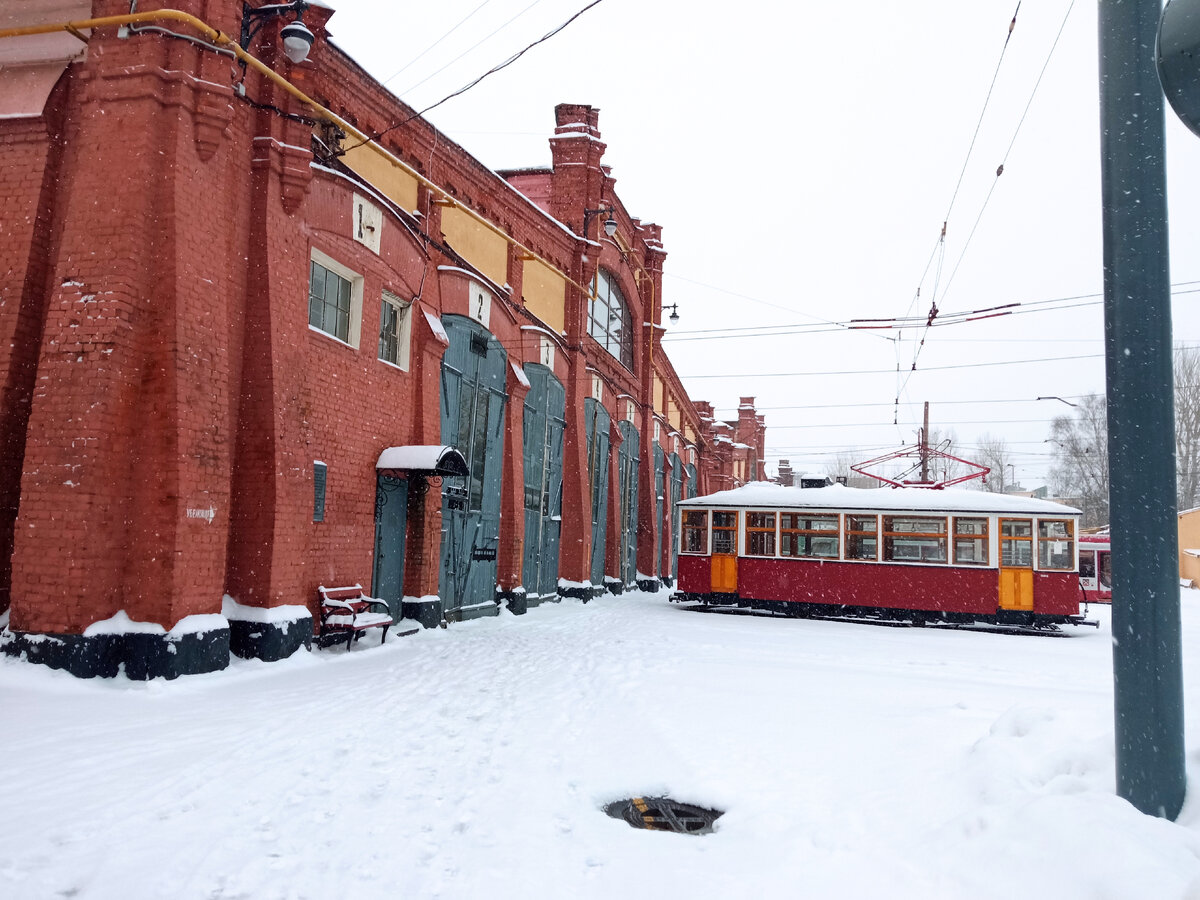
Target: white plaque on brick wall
(368,223)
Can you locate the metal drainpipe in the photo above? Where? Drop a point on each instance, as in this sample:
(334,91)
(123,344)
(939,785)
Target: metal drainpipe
(1147,664)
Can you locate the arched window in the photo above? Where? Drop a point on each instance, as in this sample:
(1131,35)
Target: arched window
(609,320)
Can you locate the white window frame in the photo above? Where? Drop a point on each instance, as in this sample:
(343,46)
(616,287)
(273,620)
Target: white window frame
(404,333)
(354,331)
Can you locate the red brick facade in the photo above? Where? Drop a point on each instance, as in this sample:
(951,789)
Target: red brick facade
(164,397)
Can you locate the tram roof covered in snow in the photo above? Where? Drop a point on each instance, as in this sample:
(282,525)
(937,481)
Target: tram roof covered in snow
(767,495)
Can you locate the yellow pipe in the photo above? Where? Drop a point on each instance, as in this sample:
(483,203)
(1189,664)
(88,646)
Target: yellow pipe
(221,39)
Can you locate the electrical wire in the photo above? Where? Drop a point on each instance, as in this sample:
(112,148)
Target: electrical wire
(508,62)
(460,23)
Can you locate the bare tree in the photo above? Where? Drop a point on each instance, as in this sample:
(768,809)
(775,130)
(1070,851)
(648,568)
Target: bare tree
(1187,426)
(993,452)
(1080,470)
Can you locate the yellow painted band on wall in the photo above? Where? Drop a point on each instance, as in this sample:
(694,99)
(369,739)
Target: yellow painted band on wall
(481,247)
(545,294)
(384,175)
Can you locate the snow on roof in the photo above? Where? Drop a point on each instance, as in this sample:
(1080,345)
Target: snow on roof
(767,495)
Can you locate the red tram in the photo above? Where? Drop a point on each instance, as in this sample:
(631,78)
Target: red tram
(1095,568)
(914,554)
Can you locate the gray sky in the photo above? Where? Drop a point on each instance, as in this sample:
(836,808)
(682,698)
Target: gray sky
(801,161)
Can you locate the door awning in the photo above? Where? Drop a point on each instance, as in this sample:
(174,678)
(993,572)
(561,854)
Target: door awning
(423,458)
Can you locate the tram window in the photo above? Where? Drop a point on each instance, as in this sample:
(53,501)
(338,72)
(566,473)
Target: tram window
(1016,542)
(862,537)
(809,536)
(695,531)
(970,542)
(914,539)
(724,533)
(760,534)
(1105,569)
(1056,544)
(1087,564)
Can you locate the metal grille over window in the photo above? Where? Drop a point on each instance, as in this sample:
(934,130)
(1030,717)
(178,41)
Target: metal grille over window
(724,536)
(393,315)
(320,470)
(329,301)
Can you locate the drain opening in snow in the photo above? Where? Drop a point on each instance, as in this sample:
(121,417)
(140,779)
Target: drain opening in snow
(664,814)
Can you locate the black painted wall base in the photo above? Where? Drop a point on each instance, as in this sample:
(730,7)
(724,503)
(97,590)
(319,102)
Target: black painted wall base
(614,586)
(271,641)
(517,601)
(584,592)
(427,612)
(141,656)
(649,585)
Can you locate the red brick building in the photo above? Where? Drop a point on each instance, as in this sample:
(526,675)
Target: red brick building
(244,354)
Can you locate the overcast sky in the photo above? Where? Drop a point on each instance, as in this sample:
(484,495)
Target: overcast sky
(801,161)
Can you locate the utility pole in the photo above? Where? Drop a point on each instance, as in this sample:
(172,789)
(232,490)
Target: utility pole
(1147,654)
(925,447)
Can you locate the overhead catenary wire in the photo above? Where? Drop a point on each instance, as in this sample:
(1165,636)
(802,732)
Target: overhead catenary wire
(493,70)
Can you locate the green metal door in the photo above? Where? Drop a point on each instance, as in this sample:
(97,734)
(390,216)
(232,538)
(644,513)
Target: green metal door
(543,427)
(596,424)
(627,470)
(472,404)
(391,520)
(675,495)
(659,504)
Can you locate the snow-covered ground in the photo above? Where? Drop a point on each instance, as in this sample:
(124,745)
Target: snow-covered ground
(853,761)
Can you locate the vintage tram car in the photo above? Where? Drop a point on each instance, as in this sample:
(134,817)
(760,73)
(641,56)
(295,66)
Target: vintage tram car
(903,553)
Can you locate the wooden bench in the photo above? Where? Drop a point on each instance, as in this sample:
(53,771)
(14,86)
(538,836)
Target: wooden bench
(349,610)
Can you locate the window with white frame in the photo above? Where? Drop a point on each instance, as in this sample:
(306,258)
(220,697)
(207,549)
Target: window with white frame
(394,327)
(609,321)
(334,298)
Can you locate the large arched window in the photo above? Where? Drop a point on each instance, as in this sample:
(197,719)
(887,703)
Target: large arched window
(609,320)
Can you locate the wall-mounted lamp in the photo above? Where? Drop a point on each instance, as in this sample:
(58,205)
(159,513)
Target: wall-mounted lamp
(610,224)
(297,39)
(674,317)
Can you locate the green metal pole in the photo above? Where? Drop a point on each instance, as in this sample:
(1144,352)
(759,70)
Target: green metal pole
(1147,666)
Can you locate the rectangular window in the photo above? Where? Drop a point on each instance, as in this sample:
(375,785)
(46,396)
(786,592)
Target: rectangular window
(914,539)
(760,534)
(1016,543)
(970,542)
(334,298)
(724,533)
(862,537)
(394,330)
(695,531)
(801,534)
(1056,544)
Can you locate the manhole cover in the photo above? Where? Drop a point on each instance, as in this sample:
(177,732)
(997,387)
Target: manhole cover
(664,814)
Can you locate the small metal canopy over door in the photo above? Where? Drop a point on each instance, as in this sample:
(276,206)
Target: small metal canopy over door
(544,424)
(676,493)
(627,472)
(1016,564)
(597,423)
(472,407)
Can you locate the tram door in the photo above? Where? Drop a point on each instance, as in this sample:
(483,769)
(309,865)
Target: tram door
(472,418)
(1016,564)
(724,551)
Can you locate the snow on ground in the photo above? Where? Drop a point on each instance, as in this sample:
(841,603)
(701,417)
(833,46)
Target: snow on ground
(853,761)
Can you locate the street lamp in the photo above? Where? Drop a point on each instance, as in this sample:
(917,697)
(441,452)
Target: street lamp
(1060,400)
(674,308)
(610,224)
(297,39)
